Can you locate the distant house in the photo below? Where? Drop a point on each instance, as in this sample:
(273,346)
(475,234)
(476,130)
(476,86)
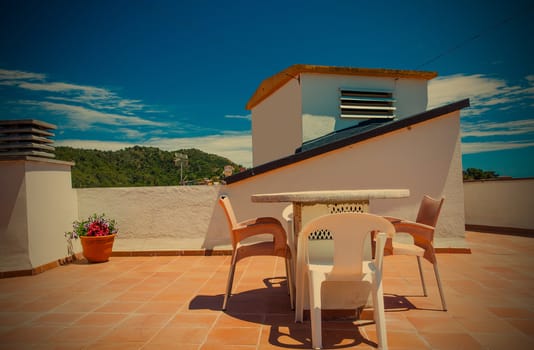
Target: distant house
(321,127)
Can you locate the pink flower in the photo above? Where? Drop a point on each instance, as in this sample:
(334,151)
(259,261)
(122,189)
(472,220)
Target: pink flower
(98,228)
(95,225)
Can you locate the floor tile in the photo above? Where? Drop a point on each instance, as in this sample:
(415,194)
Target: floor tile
(155,302)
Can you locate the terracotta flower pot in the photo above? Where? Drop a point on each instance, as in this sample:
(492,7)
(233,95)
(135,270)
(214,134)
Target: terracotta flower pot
(98,248)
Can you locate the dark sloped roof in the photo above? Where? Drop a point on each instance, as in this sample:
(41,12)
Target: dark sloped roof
(347,137)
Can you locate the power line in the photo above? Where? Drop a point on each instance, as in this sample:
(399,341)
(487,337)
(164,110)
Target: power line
(476,36)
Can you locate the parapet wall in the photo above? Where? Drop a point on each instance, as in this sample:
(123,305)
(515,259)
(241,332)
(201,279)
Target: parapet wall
(189,218)
(160,217)
(38,206)
(500,203)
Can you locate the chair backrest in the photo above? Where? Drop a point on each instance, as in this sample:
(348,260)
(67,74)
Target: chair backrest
(224,201)
(429,211)
(349,232)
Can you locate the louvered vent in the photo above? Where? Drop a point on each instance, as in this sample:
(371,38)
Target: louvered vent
(27,137)
(366,104)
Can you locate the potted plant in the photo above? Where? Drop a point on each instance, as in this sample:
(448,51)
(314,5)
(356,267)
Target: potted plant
(97,234)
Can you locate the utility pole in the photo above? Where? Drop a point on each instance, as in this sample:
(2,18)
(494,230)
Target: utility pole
(180,158)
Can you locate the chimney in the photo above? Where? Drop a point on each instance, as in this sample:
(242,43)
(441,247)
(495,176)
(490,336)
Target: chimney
(24,138)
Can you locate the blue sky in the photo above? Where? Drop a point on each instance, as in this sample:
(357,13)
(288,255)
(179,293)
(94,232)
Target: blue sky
(175,74)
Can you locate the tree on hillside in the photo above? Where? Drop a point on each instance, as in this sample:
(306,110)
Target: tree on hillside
(478,174)
(141,166)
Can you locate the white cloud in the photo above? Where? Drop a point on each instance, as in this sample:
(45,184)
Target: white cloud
(480,147)
(236,147)
(131,104)
(509,128)
(85,104)
(235,116)
(14,75)
(94,97)
(82,118)
(131,133)
(484,92)
(65,87)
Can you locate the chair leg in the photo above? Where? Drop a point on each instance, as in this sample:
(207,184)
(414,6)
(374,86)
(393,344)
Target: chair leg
(379,313)
(230,281)
(436,272)
(289,275)
(299,294)
(315,283)
(421,275)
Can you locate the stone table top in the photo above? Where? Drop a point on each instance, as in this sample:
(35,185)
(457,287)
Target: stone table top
(334,196)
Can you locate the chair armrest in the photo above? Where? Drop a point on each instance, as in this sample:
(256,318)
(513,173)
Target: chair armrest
(271,228)
(287,213)
(423,236)
(421,231)
(381,238)
(259,220)
(388,245)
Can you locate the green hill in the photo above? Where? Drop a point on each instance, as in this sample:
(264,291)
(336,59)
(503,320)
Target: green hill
(141,166)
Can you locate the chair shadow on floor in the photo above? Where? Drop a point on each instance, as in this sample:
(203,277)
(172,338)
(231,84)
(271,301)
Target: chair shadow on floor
(270,306)
(266,300)
(394,302)
(397,303)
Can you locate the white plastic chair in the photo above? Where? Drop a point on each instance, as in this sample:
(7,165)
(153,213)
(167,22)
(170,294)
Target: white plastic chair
(345,258)
(287,215)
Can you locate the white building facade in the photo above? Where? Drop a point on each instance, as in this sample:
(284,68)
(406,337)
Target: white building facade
(303,102)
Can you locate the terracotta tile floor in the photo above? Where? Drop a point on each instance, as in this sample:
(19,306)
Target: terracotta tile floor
(174,303)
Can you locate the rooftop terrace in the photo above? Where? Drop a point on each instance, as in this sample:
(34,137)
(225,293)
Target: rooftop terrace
(173,302)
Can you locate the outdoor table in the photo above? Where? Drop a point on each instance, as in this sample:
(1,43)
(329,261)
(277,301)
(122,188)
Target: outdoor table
(311,204)
(308,205)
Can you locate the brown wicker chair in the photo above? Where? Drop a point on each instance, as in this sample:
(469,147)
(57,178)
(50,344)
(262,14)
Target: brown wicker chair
(252,227)
(422,231)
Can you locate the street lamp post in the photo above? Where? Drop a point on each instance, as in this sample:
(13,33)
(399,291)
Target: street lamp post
(180,158)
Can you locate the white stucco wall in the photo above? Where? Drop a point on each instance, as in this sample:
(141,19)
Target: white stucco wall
(320,99)
(52,206)
(14,251)
(159,217)
(425,158)
(38,205)
(277,124)
(500,203)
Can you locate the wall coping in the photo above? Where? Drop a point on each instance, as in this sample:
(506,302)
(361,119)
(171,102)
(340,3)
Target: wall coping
(37,159)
